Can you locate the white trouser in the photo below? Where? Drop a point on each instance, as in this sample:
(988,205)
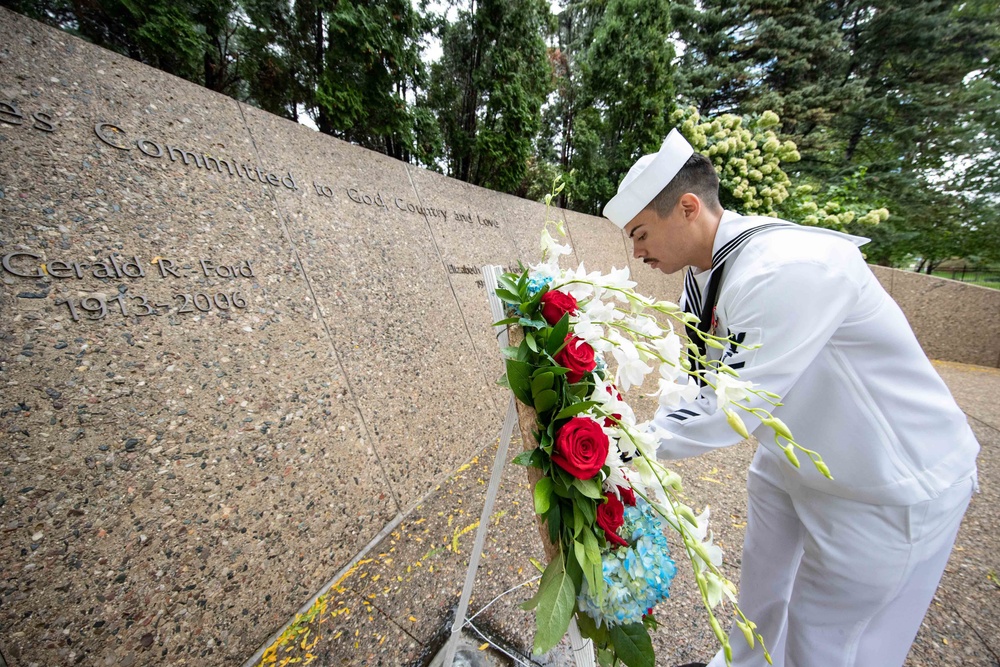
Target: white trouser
(837,583)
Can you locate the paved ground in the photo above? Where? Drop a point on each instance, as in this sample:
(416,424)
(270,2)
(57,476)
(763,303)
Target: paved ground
(393,607)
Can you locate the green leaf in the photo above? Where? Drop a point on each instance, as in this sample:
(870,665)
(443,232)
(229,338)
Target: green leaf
(536,324)
(508,284)
(544,441)
(589,629)
(531,458)
(633,646)
(591,488)
(542,381)
(506,321)
(580,551)
(554,521)
(558,335)
(593,565)
(574,569)
(548,576)
(579,519)
(508,296)
(574,409)
(592,547)
(519,379)
(531,306)
(509,352)
(589,510)
(545,400)
(543,495)
(529,338)
(555,607)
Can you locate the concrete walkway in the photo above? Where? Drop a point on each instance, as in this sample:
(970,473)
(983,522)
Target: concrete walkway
(392,607)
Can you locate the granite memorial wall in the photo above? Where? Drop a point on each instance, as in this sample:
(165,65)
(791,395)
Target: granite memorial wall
(232,350)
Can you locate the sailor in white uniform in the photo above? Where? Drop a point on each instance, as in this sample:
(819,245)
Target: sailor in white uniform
(836,572)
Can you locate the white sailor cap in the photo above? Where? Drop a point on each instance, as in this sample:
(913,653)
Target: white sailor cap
(647,178)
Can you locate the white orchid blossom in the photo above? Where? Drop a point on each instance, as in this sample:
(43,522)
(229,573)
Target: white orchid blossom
(645,325)
(707,554)
(551,250)
(632,370)
(577,284)
(669,348)
(611,402)
(617,279)
(601,311)
(587,330)
(616,472)
(729,390)
(673,393)
(648,437)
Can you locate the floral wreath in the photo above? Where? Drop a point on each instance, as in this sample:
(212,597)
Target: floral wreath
(601,492)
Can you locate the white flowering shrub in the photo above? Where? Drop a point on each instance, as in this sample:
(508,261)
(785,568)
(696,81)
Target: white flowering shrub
(748,153)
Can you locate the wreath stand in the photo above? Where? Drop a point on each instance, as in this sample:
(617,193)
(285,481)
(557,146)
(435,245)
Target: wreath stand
(583,649)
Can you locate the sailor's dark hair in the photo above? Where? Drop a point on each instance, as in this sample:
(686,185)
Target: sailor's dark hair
(698,177)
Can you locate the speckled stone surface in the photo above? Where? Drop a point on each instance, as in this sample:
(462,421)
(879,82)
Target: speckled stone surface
(389,301)
(475,230)
(156,469)
(953,321)
(597,242)
(524,224)
(976,388)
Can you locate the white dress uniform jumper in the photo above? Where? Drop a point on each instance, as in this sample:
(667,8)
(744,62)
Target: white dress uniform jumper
(836,573)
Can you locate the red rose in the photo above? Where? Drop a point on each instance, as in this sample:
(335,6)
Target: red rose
(555,304)
(611,517)
(627,494)
(577,356)
(581,447)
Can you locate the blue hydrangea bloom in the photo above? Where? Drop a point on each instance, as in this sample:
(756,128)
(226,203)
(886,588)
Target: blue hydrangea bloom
(637,576)
(535,284)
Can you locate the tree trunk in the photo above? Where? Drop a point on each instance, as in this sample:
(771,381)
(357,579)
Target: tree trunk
(323,123)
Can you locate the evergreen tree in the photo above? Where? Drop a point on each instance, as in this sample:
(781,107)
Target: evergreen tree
(488,87)
(799,64)
(371,61)
(192,39)
(348,65)
(711,74)
(283,47)
(616,89)
(911,128)
(895,96)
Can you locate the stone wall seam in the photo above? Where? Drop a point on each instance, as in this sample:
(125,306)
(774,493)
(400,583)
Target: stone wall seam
(569,235)
(254,660)
(326,327)
(451,286)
